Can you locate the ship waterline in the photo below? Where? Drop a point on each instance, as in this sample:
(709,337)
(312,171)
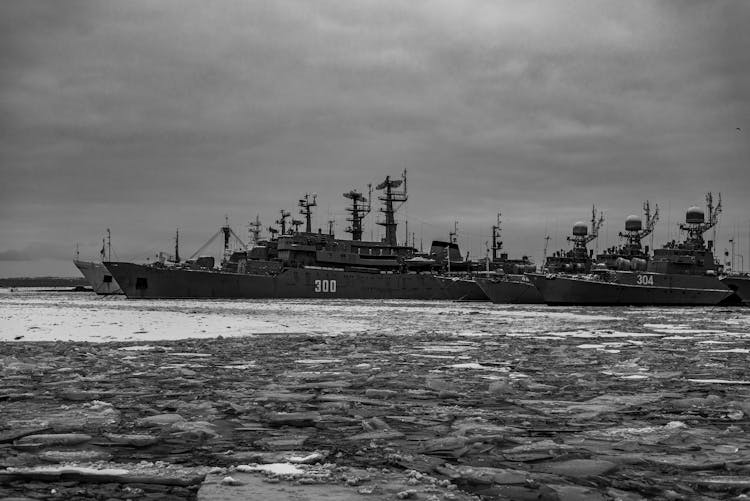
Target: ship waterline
(631,288)
(510,289)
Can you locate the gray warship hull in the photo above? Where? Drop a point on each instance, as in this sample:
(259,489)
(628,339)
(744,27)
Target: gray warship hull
(740,285)
(513,289)
(98,277)
(149,282)
(631,288)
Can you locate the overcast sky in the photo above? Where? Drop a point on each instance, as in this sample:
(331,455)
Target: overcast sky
(146,116)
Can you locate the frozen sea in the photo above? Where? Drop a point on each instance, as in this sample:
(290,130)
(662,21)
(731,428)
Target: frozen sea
(43,315)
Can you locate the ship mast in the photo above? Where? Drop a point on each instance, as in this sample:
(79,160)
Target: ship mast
(497,244)
(453,235)
(109,244)
(177,246)
(282,220)
(306,210)
(596,225)
(650,219)
(227,231)
(391,196)
(358,211)
(254,229)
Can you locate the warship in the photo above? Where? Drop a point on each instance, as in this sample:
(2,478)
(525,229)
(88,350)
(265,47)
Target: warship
(96,274)
(507,281)
(307,264)
(510,283)
(680,274)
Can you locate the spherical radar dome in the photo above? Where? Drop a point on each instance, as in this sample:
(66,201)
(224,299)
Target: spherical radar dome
(633,223)
(580,229)
(694,215)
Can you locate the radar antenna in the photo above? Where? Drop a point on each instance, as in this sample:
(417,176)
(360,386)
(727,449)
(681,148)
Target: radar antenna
(358,211)
(697,229)
(391,196)
(306,210)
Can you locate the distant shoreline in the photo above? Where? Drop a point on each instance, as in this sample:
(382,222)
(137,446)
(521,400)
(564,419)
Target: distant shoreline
(43,282)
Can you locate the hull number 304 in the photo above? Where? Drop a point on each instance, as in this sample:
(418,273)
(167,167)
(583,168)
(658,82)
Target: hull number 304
(325,286)
(645,280)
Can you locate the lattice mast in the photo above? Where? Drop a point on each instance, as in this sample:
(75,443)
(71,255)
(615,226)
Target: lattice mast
(596,225)
(254,228)
(306,210)
(361,206)
(497,244)
(391,195)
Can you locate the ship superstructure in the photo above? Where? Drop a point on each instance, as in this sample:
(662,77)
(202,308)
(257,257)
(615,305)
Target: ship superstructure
(579,258)
(306,264)
(679,273)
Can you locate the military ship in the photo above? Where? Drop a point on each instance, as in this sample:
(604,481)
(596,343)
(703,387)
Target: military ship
(307,264)
(96,274)
(682,273)
(507,282)
(510,282)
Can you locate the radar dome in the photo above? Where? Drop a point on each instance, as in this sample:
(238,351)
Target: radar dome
(580,229)
(694,215)
(633,223)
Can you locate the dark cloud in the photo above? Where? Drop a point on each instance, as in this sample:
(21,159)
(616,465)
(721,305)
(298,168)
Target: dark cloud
(145,116)
(37,251)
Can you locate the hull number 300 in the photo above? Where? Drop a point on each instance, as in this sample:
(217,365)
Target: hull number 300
(645,280)
(325,286)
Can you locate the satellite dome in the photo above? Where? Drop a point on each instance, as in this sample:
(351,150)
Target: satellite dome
(580,229)
(633,223)
(694,215)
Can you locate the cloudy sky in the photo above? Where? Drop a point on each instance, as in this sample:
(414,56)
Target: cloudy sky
(146,116)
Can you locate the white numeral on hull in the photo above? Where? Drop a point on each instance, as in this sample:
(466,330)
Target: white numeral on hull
(325,286)
(645,280)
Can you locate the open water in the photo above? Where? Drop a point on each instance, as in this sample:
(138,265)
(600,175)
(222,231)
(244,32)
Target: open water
(36,315)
